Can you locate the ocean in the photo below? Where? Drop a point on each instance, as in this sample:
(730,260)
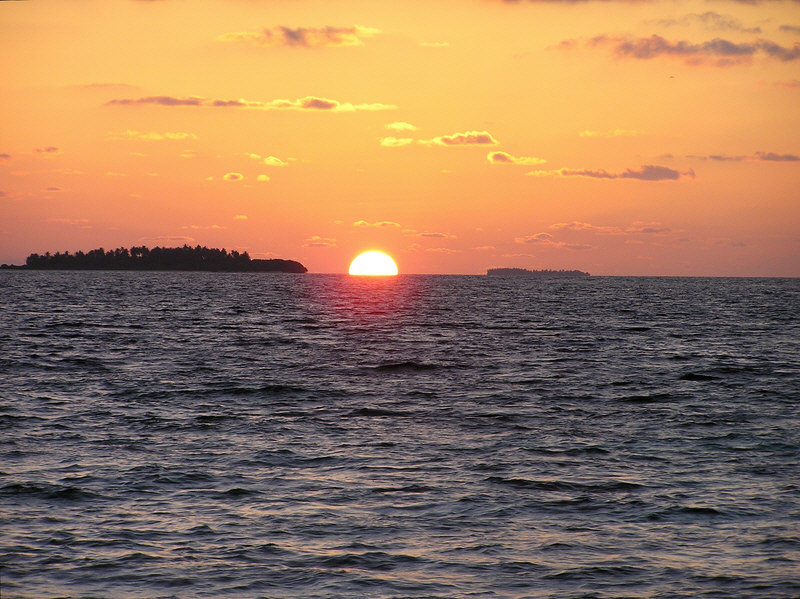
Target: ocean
(173,434)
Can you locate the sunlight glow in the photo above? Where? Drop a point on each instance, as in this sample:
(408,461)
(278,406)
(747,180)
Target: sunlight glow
(373,263)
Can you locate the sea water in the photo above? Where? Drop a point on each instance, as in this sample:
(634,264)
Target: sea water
(269,435)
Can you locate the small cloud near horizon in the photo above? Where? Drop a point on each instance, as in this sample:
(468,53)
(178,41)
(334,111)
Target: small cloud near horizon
(717,52)
(232,176)
(506,158)
(379,224)
(401,126)
(316,241)
(468,138)
(308,103)
(647,172)
(304,37)
(395,142)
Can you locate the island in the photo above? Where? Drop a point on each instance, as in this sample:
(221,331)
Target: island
(159,258)
(523,272)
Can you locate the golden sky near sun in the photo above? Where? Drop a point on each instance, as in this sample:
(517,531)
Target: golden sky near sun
(656,137)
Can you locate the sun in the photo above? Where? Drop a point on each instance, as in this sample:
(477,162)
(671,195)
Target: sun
(373,263)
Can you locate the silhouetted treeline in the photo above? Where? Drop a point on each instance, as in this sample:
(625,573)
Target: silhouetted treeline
(158,258)
(523,272)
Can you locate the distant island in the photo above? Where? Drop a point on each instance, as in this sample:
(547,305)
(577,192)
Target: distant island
(158,258)
(523,272)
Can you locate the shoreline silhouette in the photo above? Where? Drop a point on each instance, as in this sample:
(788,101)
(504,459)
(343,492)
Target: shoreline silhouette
(186,258)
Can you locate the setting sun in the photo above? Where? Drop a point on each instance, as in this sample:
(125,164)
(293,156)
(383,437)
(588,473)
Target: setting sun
(373,263)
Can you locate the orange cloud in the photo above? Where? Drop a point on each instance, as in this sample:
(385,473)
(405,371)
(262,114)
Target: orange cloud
(469,138)
(379,224)
(315,241)
(547,239)
(648,172)
(719,52)
(506,158)
(310,103)
(395,142)
(305,37)
(233,176)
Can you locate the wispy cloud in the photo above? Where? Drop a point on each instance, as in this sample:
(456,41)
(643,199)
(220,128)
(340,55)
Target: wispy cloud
(74,222)
(548,240)
(304,37)
(790,29)
(308,103)
(395,142)
(773,157)
(267,160)
(791,84)
(710,20)
(5,156)
(153,136)
(765,156)
(48,150)
(232,176)
(647,172)
(637,227)
(608,133)
(468,138)
(379,224)
(506,158)
(718,52)
(401,126)
(316,241)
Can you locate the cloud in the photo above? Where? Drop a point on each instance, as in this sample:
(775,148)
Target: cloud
(315,241)
(790,29)
(262,178)
(69,221)
(443,250)
(436,235)
(719,52)
(547,239)
(160,100)
(304,37)
(5,156)
(232,176)
(767,156)
(167,240)
(378,224)
(506,158)
(153,136)
(395,142)
(773,157)
(308,103)
(54,189)
(48,150)
(240,217)
(269,160)
(469,138)
(647,172)
(710,20)
(401,126)
(609,133)
(792,84)
(637,227)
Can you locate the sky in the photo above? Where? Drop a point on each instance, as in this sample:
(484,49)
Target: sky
(618,137)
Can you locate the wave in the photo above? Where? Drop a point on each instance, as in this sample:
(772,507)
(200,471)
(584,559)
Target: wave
(565,486)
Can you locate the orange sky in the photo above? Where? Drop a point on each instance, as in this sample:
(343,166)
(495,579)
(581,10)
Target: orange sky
(654,137)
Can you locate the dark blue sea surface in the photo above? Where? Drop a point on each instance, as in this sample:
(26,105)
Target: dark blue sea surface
(268,435)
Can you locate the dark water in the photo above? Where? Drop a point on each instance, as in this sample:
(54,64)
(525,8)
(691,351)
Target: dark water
(224,435)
